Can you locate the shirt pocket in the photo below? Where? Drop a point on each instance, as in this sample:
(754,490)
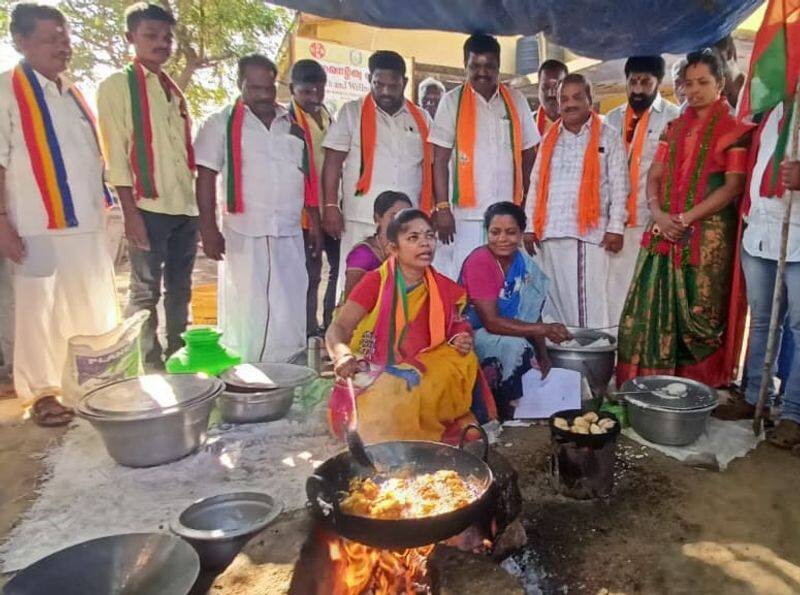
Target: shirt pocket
(410,146)
(288,148)
(504,132)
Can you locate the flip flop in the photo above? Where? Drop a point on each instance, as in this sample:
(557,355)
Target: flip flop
(786,435)
(49,413)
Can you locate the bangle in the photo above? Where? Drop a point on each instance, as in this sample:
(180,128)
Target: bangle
(333,206)
(442,206)
(340,359)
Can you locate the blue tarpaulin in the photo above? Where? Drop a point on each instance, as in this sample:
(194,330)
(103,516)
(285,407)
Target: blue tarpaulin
(603,29)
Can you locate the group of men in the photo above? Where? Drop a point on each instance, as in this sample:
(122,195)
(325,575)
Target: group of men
(296,184)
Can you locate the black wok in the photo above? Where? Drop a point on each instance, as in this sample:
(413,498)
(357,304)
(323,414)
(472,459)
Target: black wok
(332,478)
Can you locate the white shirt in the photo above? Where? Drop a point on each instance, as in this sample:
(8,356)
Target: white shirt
(398,157)
(494,160)
(82,161)
(762,236)
(662,112)
(272,175)
(566,172)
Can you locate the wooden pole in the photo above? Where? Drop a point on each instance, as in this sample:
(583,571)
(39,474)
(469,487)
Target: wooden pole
(777,296)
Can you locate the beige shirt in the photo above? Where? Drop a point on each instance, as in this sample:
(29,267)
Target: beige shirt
(398,157)
(272,172)
(173,178)
(82,161)
(566,174)
(494,161)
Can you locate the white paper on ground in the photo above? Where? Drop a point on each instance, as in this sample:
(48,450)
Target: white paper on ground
(541,398)
(721,442)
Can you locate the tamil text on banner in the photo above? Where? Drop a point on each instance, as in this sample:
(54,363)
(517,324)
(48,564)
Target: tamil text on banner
(348,74)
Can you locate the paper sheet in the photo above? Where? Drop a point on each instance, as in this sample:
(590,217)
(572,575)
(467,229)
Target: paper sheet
(722,442)
(541,398)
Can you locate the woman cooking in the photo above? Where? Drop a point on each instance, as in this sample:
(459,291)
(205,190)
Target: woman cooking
(678,318)
(506,291)
(401,340)
(369,254)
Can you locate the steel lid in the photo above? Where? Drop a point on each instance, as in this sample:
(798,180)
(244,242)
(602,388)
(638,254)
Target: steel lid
(670,392)
(266,376)
(149,395)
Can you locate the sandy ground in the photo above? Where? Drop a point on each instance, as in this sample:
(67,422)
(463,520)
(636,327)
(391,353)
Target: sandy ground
(666,529)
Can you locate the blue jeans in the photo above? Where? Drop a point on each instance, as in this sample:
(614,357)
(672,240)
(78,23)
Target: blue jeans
(760,276)
(173,245)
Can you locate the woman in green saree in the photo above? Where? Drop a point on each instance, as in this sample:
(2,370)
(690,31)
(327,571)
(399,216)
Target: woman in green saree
(681,316)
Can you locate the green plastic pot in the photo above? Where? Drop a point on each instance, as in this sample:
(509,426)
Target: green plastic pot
(203,353)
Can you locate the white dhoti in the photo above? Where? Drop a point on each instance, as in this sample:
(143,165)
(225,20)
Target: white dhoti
(578,272)
(72,293)
(354,232)
(620,273)
(449,258)
(6,318)
(262,296)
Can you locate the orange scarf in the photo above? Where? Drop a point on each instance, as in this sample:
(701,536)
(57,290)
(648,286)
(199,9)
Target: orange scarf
(369,138)
(589,194)
(634,149)
(466,127)
(543,123)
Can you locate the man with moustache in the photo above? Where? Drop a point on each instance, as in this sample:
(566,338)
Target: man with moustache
(639,123)
(52,225)
(484,142)
(146,133)
(259,151)
(378,143)
(308,112)
(429,95)
(579,190)
(551,73)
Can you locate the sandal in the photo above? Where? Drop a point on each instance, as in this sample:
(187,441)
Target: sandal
(49,413)
(786,434)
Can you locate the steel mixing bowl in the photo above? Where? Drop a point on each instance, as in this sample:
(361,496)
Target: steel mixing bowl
(243,408)
(596,364)
(127,564)
(666,424)
(155,436)
(219,526)
(261,392)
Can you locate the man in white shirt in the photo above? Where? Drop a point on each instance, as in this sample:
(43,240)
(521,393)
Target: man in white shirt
(500,164)
(429,94)
(640,123)
(263,280)
(760,251)
(52,223)
(397,154)
(579,188)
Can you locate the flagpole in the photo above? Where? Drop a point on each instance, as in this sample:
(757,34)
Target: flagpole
(777,296)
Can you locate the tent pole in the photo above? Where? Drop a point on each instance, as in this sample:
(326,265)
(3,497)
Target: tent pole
(777,297)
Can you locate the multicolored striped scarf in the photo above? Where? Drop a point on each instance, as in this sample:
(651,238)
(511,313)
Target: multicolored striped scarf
(466,130)
(44,151)
(634,148)
(142,159)
(234,190)
(369,139)
(311,179)
(392,321)
(589,193)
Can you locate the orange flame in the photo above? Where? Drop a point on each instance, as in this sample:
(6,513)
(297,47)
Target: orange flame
(360,569)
